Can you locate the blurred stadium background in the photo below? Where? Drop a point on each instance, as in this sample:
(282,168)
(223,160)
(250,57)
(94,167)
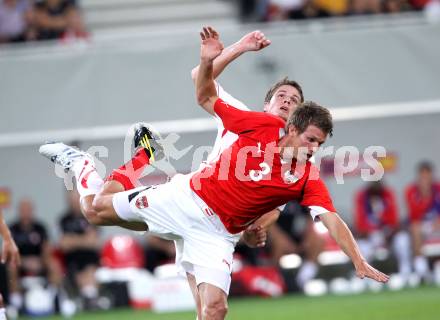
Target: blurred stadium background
(379,73)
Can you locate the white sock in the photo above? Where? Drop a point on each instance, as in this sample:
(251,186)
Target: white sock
(307,272)
(88,181)
(3,314)
(16,300)
(89,291)
(421,266)
(437,273)
(402,250)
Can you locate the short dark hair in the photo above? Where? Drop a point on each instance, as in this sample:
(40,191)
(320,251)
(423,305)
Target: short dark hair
(283,82)
(311,113)
(425,165)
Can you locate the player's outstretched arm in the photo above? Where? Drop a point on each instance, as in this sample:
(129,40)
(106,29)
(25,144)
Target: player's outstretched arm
(9,251)
(210,48)
(343,236)
(253,41)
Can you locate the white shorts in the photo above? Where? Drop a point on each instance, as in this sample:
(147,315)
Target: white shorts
(173,211)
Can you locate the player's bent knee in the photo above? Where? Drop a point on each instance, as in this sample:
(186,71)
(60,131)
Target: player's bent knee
(88,211)
(102,204)
(215,309)
(91,212)
(98,203)
(214,312)
(94,218)
(103,210)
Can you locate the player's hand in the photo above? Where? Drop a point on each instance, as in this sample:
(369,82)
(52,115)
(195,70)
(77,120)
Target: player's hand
(253,41)
(254,236)
(211,46)
(365,270)
(10,253)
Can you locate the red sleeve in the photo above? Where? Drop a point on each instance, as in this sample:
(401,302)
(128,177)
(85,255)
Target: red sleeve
(361,221)
(409,203)
(316,194)
(416,207)
(391,215)
(239,121)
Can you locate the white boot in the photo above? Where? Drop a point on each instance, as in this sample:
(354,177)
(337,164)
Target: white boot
(307,272)
(421,267)
(62,154)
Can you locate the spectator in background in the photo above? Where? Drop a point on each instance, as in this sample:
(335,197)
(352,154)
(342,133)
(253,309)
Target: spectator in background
(330,7)
(55,19)
(16,21)
(423,202)
(276,10)
(36,252)
(419,4)
(281,9)
(9,254)
(305,9)
(158,251)
(366,6)
(80,246)
(294,9)
(76,29)
(377,225)
(294,233)
(432,11)
(395,6)
(247,10)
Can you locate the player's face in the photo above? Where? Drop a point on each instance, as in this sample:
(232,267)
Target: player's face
(26,211)
(305,144)
(425,178)
(283,102)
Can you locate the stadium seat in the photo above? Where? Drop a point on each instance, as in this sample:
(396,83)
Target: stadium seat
(122,252)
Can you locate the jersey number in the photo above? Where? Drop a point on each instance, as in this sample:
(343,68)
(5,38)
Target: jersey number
(257,175)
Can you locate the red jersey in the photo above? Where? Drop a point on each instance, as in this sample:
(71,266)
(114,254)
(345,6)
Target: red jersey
(374,214)
(249,178)
(422,208)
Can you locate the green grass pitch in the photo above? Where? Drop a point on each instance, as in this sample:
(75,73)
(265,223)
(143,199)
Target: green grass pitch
(418,304)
